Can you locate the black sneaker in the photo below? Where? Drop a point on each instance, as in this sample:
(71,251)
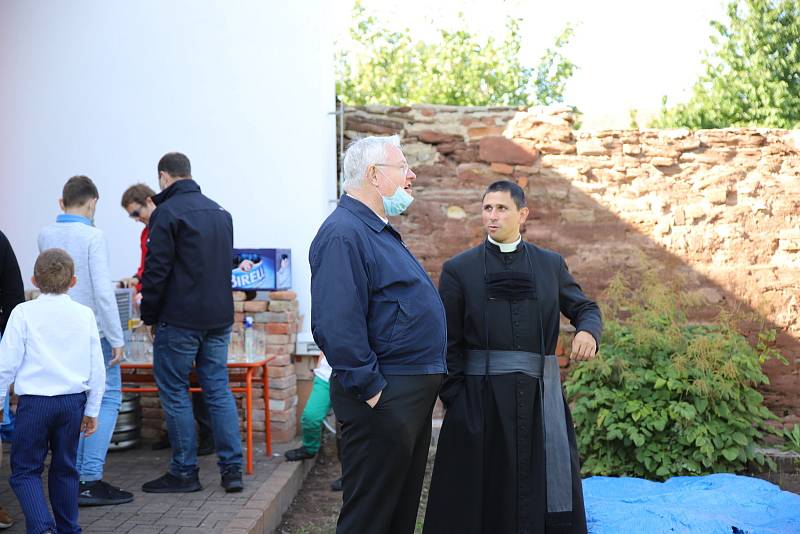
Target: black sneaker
(336,485)
(99,493)
(170,483)
(300,453)
(232,479)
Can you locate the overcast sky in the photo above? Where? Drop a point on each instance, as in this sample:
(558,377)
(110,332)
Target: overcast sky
(629,53)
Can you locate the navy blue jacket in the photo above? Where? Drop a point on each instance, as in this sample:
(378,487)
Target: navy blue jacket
(374,310)
(187,269)
(11,290)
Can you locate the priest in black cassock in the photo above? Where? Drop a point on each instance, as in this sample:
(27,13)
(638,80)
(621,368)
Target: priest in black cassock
(507,461)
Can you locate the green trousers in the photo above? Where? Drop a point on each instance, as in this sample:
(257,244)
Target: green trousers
(317,408)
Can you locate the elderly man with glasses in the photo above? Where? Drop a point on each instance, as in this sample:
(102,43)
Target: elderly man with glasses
(378,318)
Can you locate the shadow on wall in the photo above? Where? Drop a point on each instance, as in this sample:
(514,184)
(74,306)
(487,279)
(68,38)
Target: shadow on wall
(717,210)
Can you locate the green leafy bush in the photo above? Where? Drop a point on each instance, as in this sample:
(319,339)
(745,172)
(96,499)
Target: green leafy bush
(665,397)
(750,76)
(792,437)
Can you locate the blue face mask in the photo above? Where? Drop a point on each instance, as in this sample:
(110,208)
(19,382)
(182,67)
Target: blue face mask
(397,203)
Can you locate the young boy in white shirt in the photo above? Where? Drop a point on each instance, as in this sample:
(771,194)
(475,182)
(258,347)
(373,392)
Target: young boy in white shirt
(51,353)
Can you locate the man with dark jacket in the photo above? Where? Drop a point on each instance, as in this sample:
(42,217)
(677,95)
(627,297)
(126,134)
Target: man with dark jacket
(11,290)
(186,293)
(11,294)
(379,320)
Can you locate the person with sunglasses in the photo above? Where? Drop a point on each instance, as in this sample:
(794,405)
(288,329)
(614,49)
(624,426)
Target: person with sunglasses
(137,201)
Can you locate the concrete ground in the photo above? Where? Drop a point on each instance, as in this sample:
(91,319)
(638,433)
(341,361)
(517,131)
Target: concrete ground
(208,511)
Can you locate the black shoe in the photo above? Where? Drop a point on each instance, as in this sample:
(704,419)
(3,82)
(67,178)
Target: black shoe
(300,453)
(205,447)
(170,483)
(232,479)
(99,493)
(336,485)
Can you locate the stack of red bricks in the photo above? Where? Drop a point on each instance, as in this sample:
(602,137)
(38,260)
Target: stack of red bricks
(276,314)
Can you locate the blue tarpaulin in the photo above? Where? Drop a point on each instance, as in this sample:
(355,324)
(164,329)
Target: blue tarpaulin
(713,504)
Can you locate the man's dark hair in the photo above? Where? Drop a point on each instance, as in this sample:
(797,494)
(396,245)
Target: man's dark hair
(138,193)
(511,188)
(78,190)
(176,165)
(53,271)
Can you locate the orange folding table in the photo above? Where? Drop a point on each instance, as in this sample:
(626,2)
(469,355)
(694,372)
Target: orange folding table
(238,373)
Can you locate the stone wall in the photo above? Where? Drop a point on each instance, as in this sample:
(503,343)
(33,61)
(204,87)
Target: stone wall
(718,210)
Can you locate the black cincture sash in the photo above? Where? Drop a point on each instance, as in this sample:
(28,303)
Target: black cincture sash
(556,444)
(510,285)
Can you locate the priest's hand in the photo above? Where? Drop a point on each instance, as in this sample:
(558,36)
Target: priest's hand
(374,400)
(584,347)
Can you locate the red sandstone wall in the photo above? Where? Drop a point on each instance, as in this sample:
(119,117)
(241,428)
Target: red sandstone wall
(717,209)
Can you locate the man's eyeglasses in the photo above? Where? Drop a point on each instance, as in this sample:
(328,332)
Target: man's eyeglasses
(404,166)
(134,214)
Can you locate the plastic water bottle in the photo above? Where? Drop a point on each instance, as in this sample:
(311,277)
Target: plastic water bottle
(249,339)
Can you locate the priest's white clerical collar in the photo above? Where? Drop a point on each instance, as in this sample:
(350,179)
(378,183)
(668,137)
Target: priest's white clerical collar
(506,247)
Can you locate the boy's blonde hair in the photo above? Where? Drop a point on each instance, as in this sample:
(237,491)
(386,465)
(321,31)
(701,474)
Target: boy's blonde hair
(53,271)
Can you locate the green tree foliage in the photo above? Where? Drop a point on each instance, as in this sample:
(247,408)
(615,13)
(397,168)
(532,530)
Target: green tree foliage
(665,397)
(752,73)
(393,68)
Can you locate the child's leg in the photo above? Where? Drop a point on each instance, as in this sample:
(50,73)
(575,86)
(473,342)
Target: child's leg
(63,476)
(317,408)
(92,451)
(28,452)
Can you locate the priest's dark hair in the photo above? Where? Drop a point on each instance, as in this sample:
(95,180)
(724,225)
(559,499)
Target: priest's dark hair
(511,188)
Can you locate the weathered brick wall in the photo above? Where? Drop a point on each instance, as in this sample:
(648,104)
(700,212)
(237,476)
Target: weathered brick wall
(718,210)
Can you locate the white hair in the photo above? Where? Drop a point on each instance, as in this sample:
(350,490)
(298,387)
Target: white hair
(360,155)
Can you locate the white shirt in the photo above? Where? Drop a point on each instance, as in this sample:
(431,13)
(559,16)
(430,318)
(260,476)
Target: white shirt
(323,370)
(505,247)
(51,347)
(95,289)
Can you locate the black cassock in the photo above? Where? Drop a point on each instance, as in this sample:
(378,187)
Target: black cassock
(489,475)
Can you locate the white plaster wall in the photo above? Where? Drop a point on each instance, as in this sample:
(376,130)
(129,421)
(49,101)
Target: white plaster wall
(104,88)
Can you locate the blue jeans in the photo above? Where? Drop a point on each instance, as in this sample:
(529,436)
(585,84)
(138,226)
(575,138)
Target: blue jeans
(92,450)
(7,424)
(175,350)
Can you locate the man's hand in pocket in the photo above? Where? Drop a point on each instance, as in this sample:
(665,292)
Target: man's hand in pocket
(374,400)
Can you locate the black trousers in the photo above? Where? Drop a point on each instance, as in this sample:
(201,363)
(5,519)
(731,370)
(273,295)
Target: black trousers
(384,453)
